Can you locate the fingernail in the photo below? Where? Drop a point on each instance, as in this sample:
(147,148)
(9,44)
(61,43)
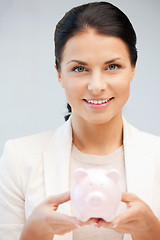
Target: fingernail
(100,227)
(93,224)
(115,225)
(78,226)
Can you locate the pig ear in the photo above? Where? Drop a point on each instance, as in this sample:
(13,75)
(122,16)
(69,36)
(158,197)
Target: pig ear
(113,174)
(79,174)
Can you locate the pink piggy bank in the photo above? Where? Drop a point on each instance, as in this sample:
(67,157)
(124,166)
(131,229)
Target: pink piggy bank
(95,193)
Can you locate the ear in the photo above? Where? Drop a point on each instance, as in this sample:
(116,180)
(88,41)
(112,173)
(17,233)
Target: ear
(113,174)
(79,174)
(59,76)
(133,72)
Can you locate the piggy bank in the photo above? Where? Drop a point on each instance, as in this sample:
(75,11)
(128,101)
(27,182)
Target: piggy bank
(95,193)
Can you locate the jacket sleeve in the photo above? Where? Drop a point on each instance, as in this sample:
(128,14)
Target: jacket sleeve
(12,213)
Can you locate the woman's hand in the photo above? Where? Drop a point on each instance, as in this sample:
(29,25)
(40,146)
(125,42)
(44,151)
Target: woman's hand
(138,220)
(45,221)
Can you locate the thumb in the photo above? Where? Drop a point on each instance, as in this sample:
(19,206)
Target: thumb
(128,197)
(59,198)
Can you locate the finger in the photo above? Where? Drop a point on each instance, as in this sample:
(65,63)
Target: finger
(102,223)
(125,228)
(61,223)
(128,216)
(58,198)
(92,221)
(64,219)
(128,197)
(76,222)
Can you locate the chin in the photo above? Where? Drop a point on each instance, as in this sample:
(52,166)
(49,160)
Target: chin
(103,118)
(98,120)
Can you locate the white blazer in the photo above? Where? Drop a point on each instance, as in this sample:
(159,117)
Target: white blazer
(35,167)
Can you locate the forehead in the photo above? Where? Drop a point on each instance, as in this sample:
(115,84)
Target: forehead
(90,44)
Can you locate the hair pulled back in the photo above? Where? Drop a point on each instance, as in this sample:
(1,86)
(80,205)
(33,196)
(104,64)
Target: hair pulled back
(105,18)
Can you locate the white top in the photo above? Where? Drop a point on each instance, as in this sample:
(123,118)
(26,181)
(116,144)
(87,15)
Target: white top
(114,160)
(36,167)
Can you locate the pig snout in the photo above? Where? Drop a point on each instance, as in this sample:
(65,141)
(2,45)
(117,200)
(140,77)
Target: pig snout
(96,199)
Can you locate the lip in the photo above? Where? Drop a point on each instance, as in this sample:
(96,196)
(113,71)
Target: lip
(96,99)
(98,106)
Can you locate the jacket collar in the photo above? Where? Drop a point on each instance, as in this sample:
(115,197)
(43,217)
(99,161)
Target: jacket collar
(57,159)
(56,167)
(139,162)
(138,165)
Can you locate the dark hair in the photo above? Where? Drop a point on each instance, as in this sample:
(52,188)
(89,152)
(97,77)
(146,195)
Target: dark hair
(104,17)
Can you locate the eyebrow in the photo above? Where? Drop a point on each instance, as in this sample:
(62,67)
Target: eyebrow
(84,63)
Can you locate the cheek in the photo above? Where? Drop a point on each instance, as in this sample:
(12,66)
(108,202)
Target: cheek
(73,91)
(122,88)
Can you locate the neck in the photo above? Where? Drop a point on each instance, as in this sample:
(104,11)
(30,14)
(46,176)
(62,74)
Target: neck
(97,139)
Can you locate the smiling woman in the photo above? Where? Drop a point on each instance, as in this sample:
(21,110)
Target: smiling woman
(96,74)
(95,49)
(114,23)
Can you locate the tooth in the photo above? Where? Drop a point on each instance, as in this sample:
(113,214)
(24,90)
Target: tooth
(98,101)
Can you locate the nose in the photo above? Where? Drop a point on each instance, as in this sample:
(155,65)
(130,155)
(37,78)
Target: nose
(95,199)
(97,83)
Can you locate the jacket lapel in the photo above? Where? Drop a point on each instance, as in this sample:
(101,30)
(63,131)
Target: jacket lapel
(138,165)
(56,167)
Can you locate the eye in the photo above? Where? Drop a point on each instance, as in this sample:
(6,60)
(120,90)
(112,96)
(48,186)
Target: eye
(112,67)
(78,69)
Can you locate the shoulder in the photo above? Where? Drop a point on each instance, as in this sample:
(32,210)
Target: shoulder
(143,134)
(140,138)
(32,143)
(26,150)
(23,158)
(36,144)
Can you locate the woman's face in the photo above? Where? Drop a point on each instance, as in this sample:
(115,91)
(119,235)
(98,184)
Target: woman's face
(96,73)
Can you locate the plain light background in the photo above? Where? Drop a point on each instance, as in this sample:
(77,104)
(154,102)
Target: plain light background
(31,99)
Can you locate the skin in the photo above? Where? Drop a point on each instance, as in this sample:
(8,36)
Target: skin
(45,221)
(138,220)
(95,79)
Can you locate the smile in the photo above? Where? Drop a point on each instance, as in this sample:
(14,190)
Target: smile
(98,102)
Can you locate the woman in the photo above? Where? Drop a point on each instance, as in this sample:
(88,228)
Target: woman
(95,49)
